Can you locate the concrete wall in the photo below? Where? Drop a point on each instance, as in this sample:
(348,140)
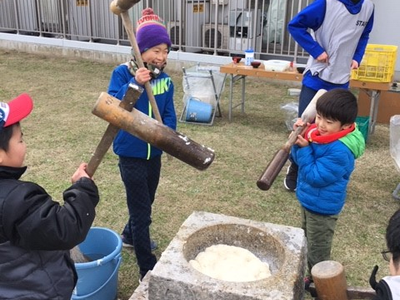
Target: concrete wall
(386,27)
(98,52)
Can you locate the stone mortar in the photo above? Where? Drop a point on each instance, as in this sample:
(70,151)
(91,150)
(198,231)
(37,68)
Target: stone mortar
(283,247)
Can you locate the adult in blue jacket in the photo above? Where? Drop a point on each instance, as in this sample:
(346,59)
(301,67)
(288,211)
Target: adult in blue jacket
(335,33)
(326,158)
(140,162)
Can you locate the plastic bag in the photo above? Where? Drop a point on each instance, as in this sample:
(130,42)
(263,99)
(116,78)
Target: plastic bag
(198,81)
(291,111)
(395,139)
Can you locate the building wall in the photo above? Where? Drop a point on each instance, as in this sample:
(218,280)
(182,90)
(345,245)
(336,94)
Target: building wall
(386,27)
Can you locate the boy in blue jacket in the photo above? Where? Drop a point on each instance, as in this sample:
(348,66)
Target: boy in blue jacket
(326,157)
(340,33)
(140,162)
(37,233)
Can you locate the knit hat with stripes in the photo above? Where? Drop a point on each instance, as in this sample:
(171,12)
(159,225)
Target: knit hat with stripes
(151,31)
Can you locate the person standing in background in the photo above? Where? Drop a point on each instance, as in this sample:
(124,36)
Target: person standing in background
(340,33)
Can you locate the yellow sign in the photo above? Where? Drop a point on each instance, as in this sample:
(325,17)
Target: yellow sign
(198,8)
(82,2)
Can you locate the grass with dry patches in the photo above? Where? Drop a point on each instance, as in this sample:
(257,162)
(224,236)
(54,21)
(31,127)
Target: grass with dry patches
(61,132)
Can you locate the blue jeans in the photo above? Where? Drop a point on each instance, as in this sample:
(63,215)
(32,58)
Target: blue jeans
(305,98)
(140,178)
(306,95)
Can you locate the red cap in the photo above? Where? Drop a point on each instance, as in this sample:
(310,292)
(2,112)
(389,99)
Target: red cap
(15,110)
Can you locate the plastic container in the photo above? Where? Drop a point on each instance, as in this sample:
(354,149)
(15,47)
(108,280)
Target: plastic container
(294,91)
(395,140)
(363,126)
(100,276)
(395,148)
(198,111)
(377,65)
(248,57)
(277,65)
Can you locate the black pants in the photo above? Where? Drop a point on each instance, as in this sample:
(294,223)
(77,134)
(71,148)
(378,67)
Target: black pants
(141,179)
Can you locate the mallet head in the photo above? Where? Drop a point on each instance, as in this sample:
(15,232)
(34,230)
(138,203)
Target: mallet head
(119,6)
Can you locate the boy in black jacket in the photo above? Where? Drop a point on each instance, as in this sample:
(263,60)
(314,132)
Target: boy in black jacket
(37,233)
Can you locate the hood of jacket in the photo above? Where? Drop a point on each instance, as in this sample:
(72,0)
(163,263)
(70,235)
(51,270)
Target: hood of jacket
(353,6)
(355,142)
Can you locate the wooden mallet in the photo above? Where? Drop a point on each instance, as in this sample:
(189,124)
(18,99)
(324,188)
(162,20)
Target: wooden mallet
(282,155)
(127,103)
(330,283)
(120,8)
(117,7)
(330,280)
(131,96)
(153,132)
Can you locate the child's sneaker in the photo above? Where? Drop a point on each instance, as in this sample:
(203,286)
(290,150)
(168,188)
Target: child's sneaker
(128,244)
(153,245)
(290,181)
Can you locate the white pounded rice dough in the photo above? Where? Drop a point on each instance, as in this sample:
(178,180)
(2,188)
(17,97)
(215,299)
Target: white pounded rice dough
(230,263)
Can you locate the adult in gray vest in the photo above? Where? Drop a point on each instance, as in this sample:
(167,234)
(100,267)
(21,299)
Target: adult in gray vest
(335,33)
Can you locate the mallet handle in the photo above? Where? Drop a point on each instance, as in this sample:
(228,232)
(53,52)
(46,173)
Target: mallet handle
(126,20)
(278,161)
(132,95)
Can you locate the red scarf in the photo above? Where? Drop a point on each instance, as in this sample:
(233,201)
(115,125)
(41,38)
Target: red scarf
(313,136)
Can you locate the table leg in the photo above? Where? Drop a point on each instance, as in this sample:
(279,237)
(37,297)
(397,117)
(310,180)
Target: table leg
(243,92)
(235,78)
(373,114)
(230,98)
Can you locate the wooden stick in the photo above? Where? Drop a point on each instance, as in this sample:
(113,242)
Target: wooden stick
(126,20)
(282,155)
(132,95)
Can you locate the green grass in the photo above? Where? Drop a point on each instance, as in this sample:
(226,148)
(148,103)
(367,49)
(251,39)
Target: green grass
(61,132)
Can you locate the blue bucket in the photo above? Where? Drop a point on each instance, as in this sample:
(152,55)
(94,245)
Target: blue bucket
(198,111)
(108,291)
(98,279)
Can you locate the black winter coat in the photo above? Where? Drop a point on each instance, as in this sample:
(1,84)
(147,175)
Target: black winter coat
(36,234)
